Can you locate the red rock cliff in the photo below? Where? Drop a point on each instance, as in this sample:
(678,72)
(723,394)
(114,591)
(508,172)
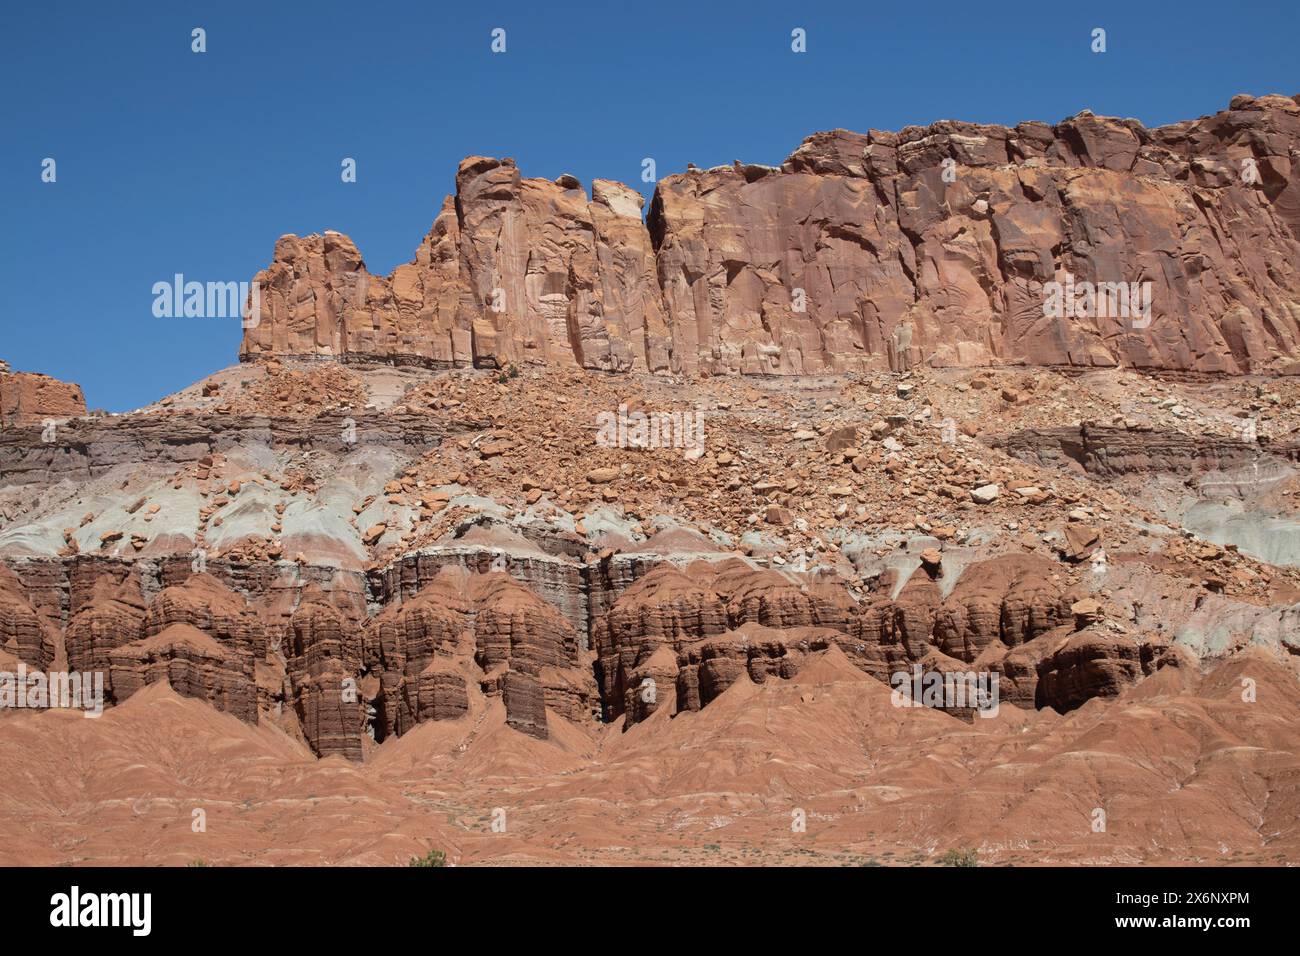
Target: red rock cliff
(27,398)
(878,250)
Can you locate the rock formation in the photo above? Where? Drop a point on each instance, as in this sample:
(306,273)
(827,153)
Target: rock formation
(487,628)
(676,610)
(25,634)
(722,620)
(402,535)
(192,663)
(323,648)
(28,398)
(112,615)
(934,245)
(391,547)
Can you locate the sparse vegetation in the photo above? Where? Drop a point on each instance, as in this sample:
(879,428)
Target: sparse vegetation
(966,856)
(432,858)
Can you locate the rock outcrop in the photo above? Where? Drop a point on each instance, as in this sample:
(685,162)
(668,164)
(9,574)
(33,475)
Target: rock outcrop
(1087,665)
(27,398)
(192,663)
(694,632)
(323,650)
(671,611)
(24,632)
(486,628)
(199,637)
(934,245)
(112,615)
(1110,451)
(707,668)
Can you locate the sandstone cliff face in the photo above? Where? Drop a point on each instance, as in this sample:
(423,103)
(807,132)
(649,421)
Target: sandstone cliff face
(670,612)
(1090,665)
(861,251)
(27,398)
(707,668)
(675,638)
(199,637)
(512,270)
(409,644)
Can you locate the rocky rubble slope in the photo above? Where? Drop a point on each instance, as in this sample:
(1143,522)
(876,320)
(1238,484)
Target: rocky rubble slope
(861,251)
(349,553)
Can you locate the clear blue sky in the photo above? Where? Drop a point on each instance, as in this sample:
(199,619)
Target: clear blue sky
(171,161)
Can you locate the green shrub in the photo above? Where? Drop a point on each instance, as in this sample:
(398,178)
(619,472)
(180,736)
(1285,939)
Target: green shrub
(966,856)
(432,858)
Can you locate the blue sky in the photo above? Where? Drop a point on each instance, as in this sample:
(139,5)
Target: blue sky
(171,161)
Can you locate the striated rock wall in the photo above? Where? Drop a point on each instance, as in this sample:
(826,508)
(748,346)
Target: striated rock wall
(25,634)
(192,663)
(89,448)
(672,622)
(1111,451)
(932,245)
(696,631)
(317,664)
(485,627)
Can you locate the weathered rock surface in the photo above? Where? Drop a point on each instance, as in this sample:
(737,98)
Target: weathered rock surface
(1089,664)
(485,627)
(192,663)
(24,632)
(721,620)
(1109,451)
(673,609)
(208,605)
(996,605)
(707,668)
(525,702)
(861,251)
(111,616)
(513,270)
(199,637)
(323,650)
(27,398)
